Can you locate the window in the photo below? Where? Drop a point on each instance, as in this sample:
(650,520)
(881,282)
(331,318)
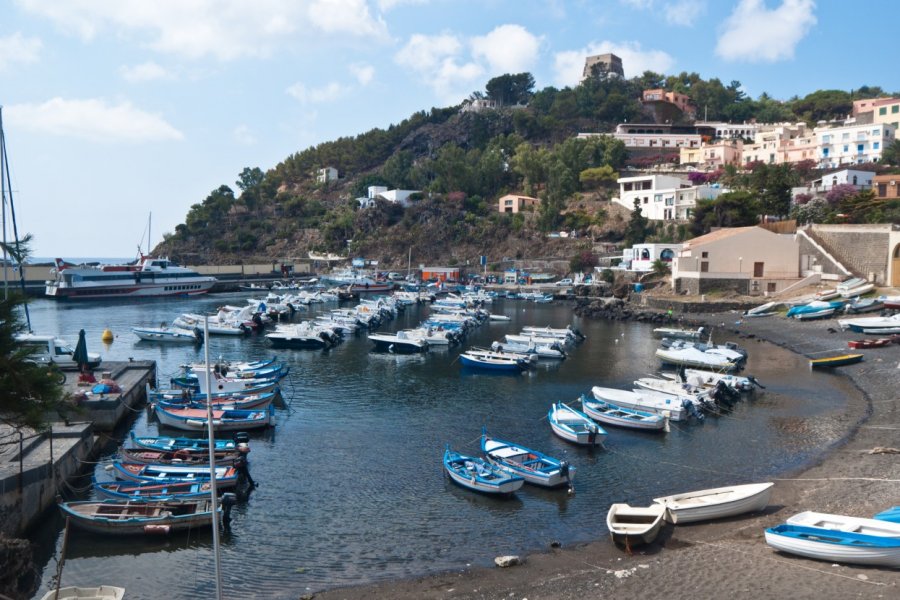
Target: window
(860,147)
(876,132)
(876,145)
(646,199)
(846,148)
(657,198)
(895,109)
(704,255)
(882,110)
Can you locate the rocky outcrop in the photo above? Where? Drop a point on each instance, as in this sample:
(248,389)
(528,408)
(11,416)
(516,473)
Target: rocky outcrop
(18,575)
(618,309)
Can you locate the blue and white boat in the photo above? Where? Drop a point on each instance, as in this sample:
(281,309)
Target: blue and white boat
(195,419)
(169,335)
(575,426)
(493,361)
(226,476)
(846,523)
(479,475)
(610,414)
(835,546)
(817,309)
(535,467)
(892,514)
(151,490)
(241,443)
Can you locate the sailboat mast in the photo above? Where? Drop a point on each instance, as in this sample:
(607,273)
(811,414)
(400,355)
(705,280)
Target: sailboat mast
(149,231)
(3,196)
(213,492)
(6,183)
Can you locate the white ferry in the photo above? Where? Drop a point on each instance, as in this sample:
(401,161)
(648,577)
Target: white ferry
(146,277)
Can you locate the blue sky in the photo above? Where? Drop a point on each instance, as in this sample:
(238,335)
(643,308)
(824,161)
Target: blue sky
(114,109)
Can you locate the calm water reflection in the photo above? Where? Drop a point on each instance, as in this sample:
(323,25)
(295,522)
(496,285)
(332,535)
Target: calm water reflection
(351,488)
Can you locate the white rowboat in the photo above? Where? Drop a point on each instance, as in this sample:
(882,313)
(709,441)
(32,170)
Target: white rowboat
(716,503)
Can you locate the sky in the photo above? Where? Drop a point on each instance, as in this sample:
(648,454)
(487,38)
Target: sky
(114,110)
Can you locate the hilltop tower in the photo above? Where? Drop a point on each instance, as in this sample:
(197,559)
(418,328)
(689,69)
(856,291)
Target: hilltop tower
(607,65)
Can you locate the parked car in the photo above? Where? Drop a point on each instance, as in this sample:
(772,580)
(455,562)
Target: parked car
(564,282)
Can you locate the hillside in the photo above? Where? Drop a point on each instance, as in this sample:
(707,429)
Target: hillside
(462,162)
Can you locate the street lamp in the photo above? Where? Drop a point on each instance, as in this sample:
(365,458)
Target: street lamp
(740,264)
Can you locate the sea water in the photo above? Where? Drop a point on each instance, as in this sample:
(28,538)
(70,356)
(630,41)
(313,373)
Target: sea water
(351,486)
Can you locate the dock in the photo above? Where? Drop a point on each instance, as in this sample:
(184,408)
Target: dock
(36,466)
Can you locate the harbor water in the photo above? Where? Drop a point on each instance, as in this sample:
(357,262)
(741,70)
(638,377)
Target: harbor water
(351,486)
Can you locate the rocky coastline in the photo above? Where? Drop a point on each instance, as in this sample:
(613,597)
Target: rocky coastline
(859,475)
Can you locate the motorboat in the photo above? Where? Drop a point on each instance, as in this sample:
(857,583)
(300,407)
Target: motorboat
(575,426)
(668,406)
(533,466)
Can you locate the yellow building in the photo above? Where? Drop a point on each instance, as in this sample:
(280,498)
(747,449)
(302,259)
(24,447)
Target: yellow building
(513,203)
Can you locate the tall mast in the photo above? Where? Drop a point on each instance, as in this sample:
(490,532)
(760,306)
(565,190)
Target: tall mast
(6,184)
(3,195)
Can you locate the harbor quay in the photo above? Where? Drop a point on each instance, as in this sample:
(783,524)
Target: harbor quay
(36,466)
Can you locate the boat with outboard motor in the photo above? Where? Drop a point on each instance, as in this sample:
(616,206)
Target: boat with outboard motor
(535,467)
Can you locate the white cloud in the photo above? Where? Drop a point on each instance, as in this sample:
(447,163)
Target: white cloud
(223,29)
(507,49)
(364,73)
(94,120)
(330,91)
(346,16)
(16,48)
(683,12)
(244,135)
(754,33)
(436,59)
(569,65)
(386,5)
(148,71)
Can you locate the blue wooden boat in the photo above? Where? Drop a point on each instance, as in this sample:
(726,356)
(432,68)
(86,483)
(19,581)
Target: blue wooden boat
(189,394)
(235,402)
(493,361)
(191,379)
(575,426)
(815,309)
(611,414)
(835,361)
(240,442)
(534,467)
(178,457)
(226,476)
(892,514)
(195,419)
(128,517)
(479,475)
(150,490)
(835,546)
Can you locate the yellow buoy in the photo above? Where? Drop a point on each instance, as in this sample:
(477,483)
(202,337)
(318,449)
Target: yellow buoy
(107,336)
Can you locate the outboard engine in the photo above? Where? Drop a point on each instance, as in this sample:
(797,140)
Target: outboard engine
(756,382)
(198,334)
(691,409)
(578,335)
(228,501)
(724,395)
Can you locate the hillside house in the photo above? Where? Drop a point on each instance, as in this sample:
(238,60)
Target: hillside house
(514,203)
(326,174)
(748,260)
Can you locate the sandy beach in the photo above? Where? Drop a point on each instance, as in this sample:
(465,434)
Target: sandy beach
(727,558)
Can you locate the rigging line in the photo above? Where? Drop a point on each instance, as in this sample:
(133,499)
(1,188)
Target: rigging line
(837,479)
(785,562)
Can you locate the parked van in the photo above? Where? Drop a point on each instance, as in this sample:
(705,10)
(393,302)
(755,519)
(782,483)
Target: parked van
(47,348)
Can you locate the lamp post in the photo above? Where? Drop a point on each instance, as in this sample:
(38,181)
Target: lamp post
(740,264)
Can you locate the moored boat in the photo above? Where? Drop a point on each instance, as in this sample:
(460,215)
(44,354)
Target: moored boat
(195,419)
(680,333)
(240,442)
(716,503)
(479,475)
(668,406)
(693,357)
(128,517)
(166,334)
(103,592)
(226,476)
(493,361)
(575,426)
(151,490)
(400,342)
(635,525)
(179,457)
(610,414)
(534,467)
(835,546)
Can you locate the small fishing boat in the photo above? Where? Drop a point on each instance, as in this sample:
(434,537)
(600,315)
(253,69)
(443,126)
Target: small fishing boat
(872,324)
(554,351)
(226,476)
(892,514)
(610,414)
(814,315)
(835,546)
(400,342)
(635,525)
(693,357)
(716,503)
(150,490)
(195,419)
(817,309)
(104,592)
(846,524)
(241,443)
(169,335)
(236,401)
(129,517)
(179,457)
(575,426)
(498,318)
(869,343)
(534,467)
(479,475)
(828,362)
(763,310)
(860,305)
(568,332)
(671,407)
(493,361)
(857,291)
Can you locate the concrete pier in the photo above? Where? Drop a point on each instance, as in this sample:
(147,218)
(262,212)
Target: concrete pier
(34,467)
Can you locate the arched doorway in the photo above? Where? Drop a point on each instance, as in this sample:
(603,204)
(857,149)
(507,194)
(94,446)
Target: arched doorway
(895,266)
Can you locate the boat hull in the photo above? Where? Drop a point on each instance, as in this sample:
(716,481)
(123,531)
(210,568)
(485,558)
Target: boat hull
(835,546)
(717,503)
(835,361)
(610,414)
(114,517)
(630,526)
(480,476)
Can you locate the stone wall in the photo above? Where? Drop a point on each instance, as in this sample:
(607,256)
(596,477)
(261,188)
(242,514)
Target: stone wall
(695,287)
(861,248)
(819,261)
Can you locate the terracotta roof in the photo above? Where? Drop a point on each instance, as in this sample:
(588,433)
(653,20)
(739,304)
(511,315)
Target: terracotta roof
(720,234)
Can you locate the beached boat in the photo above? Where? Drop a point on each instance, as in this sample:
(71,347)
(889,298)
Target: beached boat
(869,343)
(835,546)
(716,503)
(130,517)
(151,490)
(856,291)
(103,592)
(226,475)
(846,523)
(610,414)
(479,475)
(841,360)
(817,309)
(864,305)
(240,442)
(764,310)
(169,335)
(534,467)
(635,525)
(195,419)
(670,407)
(872,324)
(892,514)
(575,426)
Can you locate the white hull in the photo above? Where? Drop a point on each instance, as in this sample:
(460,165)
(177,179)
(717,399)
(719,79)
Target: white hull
(717,503)
(834,553)
(691,357)
(167,335)
(104,592)
(635,524)
(846,524)
(668,406)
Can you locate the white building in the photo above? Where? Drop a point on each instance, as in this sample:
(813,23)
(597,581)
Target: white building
(377,192)
(861,180)
(327,174)
(730,131)
(852,143)
(662,197)
(641,257)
